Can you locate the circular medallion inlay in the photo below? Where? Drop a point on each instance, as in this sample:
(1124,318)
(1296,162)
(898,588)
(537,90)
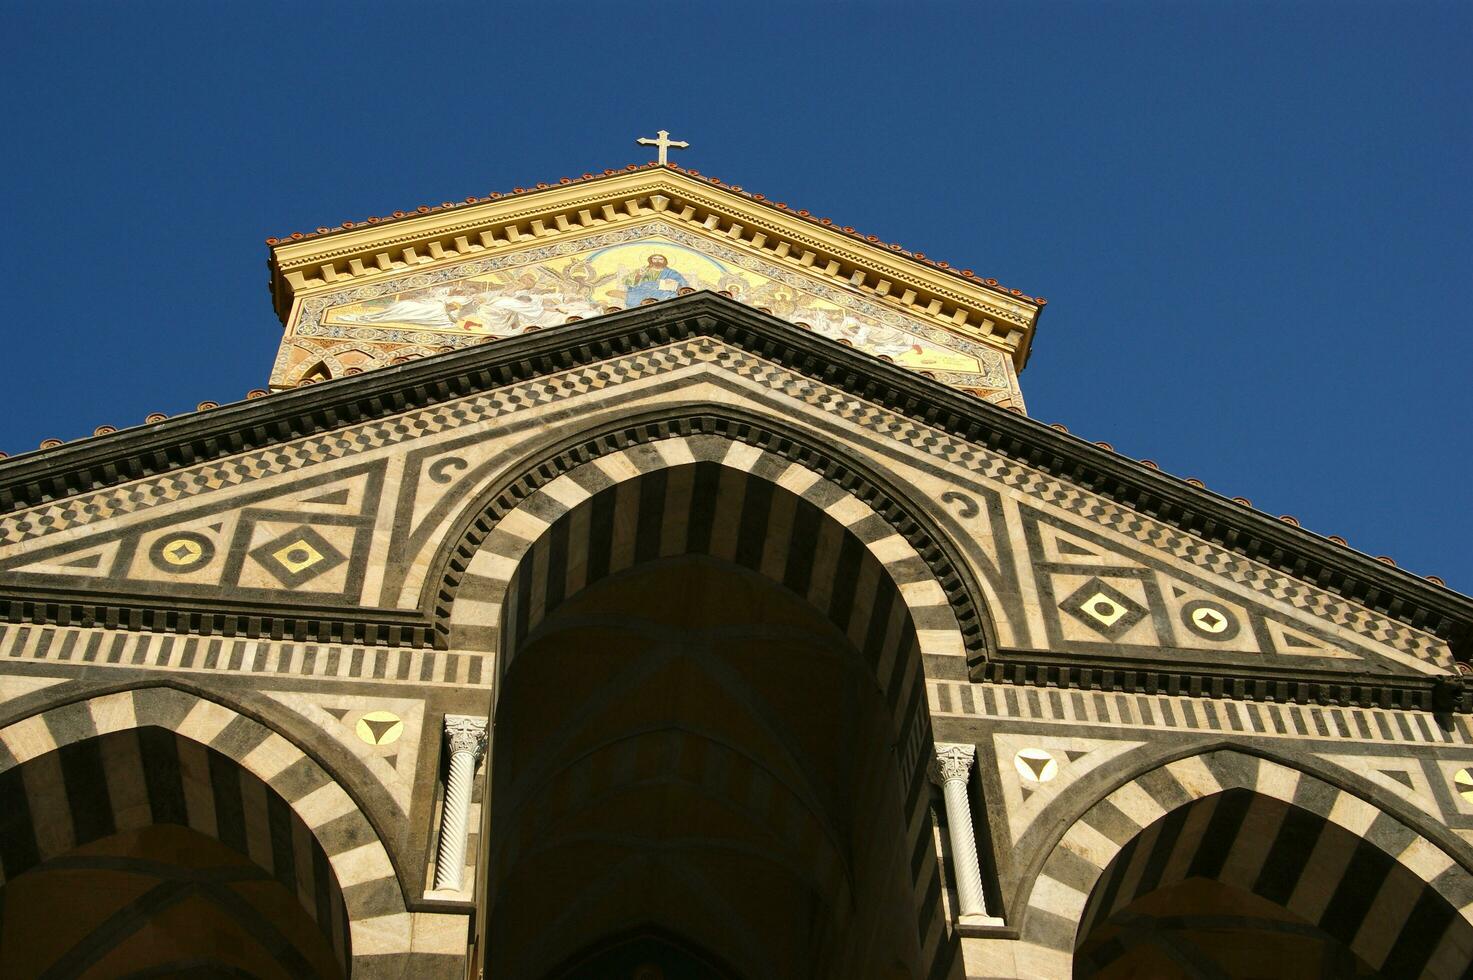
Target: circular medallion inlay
(181,551)
(380,727)
(1463,783)
(1210,620)
(1035,765)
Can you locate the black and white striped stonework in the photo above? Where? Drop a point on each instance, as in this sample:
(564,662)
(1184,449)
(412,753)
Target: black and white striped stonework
(705,508)
(713,496)
(85,770)
(1400,903)
(91,789)
(89,646)
(1272,849)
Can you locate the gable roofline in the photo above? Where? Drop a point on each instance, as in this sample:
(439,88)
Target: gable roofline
(762,199)
(107,460)
(429,238)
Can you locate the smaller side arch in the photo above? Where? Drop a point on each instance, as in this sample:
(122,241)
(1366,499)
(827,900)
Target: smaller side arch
(379,928)
(1118,827)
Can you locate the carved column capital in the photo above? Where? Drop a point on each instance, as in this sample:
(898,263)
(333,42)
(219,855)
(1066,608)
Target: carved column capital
(466,733)
(953,762)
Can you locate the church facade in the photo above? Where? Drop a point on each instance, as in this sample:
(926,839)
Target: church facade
(634,577)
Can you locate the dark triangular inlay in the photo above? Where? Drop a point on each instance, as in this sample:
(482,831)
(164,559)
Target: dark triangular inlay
(1070,548)
(1297,641)
(1074,755)
(379,728)
(392,760)
(1036,766)
(1027,791)
(1177,592)
(1405,778)
(339,496)
(338,713)
(85,561)
(217,526)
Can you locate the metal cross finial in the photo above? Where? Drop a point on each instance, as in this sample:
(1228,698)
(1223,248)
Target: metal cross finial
(664,143)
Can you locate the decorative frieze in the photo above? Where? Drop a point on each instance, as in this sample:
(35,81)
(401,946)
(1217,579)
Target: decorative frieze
(1223,716)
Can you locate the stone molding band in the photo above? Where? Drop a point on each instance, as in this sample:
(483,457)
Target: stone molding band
(1042,670)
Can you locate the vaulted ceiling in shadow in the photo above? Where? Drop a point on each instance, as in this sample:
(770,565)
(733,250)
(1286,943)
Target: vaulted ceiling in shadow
(689,748)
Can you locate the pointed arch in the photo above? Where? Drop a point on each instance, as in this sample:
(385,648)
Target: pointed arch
(737,493)
(503,580)
(319,371)
(768,451)
(285,811)
(1138,826)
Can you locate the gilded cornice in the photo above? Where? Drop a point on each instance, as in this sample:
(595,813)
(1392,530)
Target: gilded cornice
(974,308)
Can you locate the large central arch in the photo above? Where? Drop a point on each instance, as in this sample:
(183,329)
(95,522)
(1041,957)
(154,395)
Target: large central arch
(732,438)
(731,502)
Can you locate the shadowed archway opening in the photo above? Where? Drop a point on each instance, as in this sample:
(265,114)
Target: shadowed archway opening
(688,749)
(144,853)
(1239,884)
(1205,929)
(646,954)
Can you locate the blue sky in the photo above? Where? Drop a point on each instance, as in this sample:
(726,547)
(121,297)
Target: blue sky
(1253,221)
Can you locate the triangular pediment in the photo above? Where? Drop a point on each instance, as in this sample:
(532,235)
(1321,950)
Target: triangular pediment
(373,294)
(584,275)
(335,500)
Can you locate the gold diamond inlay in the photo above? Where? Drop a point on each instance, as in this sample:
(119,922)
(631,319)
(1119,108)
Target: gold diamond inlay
(297,556)
(1101,607)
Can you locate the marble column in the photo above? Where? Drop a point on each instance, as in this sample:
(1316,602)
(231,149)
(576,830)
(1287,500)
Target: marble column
(952,769)
(467,737)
